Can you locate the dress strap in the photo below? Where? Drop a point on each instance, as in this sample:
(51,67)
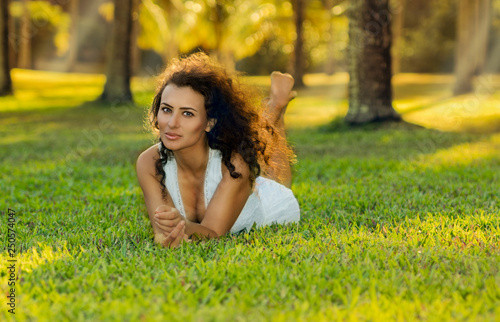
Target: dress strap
(213,175)
(206,185)
(172,184)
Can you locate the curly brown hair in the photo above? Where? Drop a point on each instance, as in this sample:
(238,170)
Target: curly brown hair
(237,109)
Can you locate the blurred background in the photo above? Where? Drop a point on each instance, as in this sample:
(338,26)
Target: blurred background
(254,36)
(438,49)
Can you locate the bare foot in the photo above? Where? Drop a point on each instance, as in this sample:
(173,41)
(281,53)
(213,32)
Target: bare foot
(281,93)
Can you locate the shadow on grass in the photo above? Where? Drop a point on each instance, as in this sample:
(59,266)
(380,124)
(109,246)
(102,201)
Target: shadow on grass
(391,140)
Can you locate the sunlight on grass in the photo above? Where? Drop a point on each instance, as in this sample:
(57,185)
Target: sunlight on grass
(465,154)
(31,79)
(466,112)
(43,89)
(427,100)
(423,99)
(397,221)
(30,259)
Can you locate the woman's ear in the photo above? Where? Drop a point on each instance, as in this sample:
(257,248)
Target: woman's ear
(210,125)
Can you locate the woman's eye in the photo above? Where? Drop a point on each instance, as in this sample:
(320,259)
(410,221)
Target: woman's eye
(165,109)
(188,114)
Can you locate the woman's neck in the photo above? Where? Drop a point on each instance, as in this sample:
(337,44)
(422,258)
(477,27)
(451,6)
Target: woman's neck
(193,161)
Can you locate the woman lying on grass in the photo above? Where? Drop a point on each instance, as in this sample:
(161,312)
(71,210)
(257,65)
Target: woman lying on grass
(203,176)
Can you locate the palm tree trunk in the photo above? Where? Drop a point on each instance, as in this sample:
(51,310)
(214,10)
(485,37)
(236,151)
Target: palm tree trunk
(5,80)
(370,88)
(398,13)
(118,71)
(299,57)
(73,40)
(25,39)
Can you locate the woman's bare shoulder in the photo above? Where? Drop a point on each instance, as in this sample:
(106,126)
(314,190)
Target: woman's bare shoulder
(239,164)
(147,159)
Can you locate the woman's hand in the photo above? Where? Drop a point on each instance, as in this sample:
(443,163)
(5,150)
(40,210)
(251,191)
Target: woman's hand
(175,238)
(167,218)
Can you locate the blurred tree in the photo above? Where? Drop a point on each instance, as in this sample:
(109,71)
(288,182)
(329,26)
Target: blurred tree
(39,21)
(135,51)
(325,39)
(162,26)
(73,40)
(25,39)
(428,39)
(234,29)
(472,42)
(118,66)
(5,80)
(370,89)
(229,30)
(330,59)
(398,14)
(298,52)
(275,49)
(174,10)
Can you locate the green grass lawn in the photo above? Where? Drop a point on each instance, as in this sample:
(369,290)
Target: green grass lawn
(399,222)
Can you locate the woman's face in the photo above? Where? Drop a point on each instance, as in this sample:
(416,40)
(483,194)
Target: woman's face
(182,118)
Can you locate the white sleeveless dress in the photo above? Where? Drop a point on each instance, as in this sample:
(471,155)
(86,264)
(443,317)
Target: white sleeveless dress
(269,203)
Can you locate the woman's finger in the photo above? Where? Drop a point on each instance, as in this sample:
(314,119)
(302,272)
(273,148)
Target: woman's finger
(174,234)
(178,239)
(168,222)
(162,208)
(172,214)
(167,225)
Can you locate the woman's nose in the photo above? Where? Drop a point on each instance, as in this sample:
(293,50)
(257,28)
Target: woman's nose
(173,122)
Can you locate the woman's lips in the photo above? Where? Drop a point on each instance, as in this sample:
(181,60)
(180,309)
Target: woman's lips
(172,136)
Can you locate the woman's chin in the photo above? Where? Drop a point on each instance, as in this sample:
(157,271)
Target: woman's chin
(173,146)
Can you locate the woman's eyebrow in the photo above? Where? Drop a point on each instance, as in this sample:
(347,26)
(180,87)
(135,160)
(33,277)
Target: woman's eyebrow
(188,108)
(181,108)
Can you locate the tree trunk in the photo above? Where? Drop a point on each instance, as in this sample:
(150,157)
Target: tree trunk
(370,89)
(25,39)
(299,57)
(5,80)
(398,12)
(135,52)
(118,69)
(473,24)
(483,28)
(464,68)
(73,39)
(330,60)
(172,49)
(13,41)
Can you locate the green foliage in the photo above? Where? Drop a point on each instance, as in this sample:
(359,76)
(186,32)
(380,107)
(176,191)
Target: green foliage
(237,27)
(398,223)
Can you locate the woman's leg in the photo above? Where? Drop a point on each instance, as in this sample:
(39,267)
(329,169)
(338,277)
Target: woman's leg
(274,114)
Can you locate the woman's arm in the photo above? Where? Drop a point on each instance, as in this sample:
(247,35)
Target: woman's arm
(151,189)
(227,202)
(164,217)
(222,211)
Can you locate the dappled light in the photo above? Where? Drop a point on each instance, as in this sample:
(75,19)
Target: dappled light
(41,254)
(463,155)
